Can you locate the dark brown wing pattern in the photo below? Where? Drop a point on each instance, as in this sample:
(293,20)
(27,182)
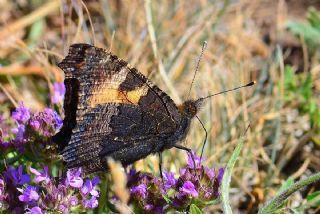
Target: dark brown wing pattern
(111,110)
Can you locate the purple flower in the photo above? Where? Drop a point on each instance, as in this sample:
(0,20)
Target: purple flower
(16,176)
(220,175)
(35,124)
(189,188)
(34,210)
(21,114)
(63,208)
(67,203)
(46,122)
(89,185)
(139,191)
(73,201)
(17,210)
(207,192)
(209,172)
(51,116)
(148,207)
(58,92)
(36,121)
(132,175)
(47,115)
(1,187)
(159,210)
(91,203)
(56,194)
(40,176)
(73,178)
(154,209)
(193,157)
(19,132)
(57,120)
(3,196)
(169,179)
(30,193)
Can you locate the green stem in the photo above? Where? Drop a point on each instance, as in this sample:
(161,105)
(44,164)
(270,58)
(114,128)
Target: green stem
(103,193)
(277,201)
(225,186)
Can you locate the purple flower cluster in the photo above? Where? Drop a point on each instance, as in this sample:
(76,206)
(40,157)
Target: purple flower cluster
(29,127)
(196,184)
(40,194)
(25,138)
(46,122)
(58,92)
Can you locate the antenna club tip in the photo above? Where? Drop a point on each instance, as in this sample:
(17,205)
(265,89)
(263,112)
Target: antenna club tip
(251,83)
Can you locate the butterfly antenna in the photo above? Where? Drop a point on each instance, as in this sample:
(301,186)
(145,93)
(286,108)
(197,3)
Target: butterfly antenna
(204,47)
(200,100)
(222,92)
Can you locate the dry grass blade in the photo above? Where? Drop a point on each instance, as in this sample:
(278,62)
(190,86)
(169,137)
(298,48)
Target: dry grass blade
(119,186)
(152,35)
(48,8)
(8,95)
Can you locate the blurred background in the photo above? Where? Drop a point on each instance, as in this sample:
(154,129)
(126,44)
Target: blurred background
(274,42)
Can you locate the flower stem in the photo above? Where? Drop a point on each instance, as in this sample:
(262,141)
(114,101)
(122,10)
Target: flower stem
(103,194)
(277,201)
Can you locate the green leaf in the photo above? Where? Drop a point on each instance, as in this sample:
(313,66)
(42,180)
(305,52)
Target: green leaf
(314,198)
(313,108)
(4,62)
(166,198)
(290,81)
(213,202)
(306,88)
(307,31)
(194,209)
(103,193)
(36,31)
(286,185)
(225,186)
(313,17)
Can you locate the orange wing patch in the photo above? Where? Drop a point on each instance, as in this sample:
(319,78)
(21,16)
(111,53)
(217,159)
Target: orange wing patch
(135,95)
(114,95)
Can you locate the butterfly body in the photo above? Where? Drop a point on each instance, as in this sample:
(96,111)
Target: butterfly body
(112,110)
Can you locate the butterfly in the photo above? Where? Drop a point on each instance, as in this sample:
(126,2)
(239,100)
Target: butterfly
(113,110)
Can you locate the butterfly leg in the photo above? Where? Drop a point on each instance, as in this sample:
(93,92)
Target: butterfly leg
(191,154)
(206,136)
(160,166)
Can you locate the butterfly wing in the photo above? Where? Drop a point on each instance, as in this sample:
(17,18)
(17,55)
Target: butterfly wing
(111,110)
(120,131)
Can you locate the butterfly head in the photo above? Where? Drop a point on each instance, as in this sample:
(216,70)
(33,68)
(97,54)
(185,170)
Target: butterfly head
(191,107)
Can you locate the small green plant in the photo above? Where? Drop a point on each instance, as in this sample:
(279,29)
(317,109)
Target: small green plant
(299,89)
(309,30)
(275,205)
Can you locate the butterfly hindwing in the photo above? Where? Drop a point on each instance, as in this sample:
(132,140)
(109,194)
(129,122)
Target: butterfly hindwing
(114,128)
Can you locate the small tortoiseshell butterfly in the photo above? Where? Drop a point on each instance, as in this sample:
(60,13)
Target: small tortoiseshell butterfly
(112,110)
